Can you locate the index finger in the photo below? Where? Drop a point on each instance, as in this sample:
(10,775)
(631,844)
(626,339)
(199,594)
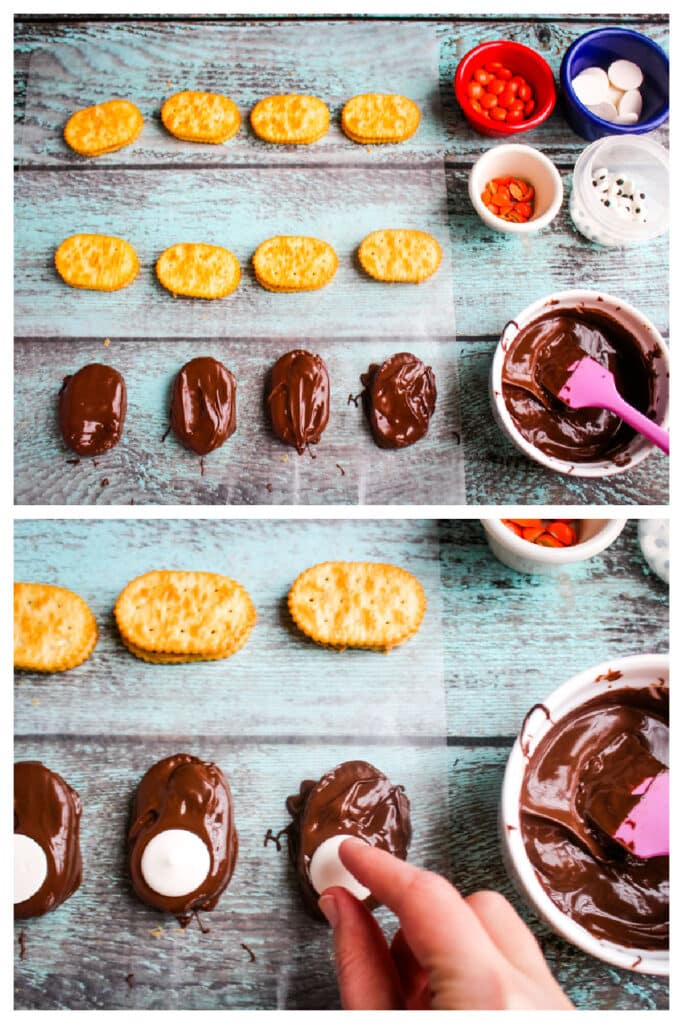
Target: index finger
(437,923)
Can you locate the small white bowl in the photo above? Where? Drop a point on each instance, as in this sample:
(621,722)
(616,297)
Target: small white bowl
(650,342)
(523,556)
(637,672)
(526,163)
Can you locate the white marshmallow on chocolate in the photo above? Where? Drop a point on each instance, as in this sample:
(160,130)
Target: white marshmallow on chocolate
(175,862)
(624,74)
(327,870)
(30,867)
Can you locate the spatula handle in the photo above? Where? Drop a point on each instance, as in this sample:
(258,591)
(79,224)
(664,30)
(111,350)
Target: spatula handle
(641,423)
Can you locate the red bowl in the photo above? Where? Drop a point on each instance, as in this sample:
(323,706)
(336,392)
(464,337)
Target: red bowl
(521,60)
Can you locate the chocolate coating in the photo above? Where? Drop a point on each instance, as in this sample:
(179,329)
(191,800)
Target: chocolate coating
(542,352)
(48,810)
(184,792)
(203,406)
(92,409)
(399,399)
(353,799)
(298,398)
(613,894)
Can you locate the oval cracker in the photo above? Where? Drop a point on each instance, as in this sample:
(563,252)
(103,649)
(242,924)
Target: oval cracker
(201,117)
(293,119)
(374,118)
(357,604)
(103,128)
(198,270)
(184,613)
(294,263)
(54,629)
(100,262)
(400,255)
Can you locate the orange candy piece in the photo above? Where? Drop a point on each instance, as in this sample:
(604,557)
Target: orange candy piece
(549,533)
(509,198)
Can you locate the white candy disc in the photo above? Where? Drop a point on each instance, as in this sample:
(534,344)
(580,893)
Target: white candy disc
(326,869)
(30,867)
(627,118)
(631,103)
(175,862)
(604,110)
(614,95)
(624,74)
(591,86)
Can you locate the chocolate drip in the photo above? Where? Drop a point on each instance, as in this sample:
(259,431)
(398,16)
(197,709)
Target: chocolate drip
(541,354)
(92,409)
(48,810)
(613,894)
(298,398)
(353,799)
(399,400)
(184,792)
(203,406)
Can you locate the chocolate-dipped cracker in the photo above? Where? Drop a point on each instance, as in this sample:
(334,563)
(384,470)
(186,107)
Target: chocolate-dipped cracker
(92,409)
(354,799)
(47,853)
(298,398)
(182,839)
(203,406)
(399,400)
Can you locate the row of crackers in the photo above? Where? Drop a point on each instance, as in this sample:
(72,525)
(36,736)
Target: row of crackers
(292,119)
(174,617)
(285,263)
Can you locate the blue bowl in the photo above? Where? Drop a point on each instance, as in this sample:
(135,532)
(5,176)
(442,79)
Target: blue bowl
(598,49)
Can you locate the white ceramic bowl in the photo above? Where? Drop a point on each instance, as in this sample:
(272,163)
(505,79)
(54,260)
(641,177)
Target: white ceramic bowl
(636,673)
(647,337)
(526,163)
(594,536)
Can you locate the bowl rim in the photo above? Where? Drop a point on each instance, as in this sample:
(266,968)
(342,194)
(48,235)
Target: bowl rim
(531,225)
(530,888)
(577,469)
(487,126)
(613,128)
(585,549)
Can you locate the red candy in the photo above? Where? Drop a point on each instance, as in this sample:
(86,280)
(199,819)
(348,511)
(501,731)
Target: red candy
(498,94)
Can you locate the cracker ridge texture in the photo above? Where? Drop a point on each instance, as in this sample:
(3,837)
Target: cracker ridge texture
(400,255)
(103,128)
(357,604)
(201,117)
(198,270)
(184,613)
(294,263)
(98,262)
(375,118)
(54,629)
(290,118)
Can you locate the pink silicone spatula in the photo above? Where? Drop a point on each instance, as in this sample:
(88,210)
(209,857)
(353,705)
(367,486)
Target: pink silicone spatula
(590,385)
(645,829)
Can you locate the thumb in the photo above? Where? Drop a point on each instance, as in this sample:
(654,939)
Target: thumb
(365,969)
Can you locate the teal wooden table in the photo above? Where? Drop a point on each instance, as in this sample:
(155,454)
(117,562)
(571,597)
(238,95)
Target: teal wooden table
(161,190)
(438,714)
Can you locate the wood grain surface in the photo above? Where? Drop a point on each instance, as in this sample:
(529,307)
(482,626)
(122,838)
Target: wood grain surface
(493,643)
(241,192)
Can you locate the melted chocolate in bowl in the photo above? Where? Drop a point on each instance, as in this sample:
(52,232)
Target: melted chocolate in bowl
(48,810)
(604,888)
(353,799)
(183,792)
(544,348)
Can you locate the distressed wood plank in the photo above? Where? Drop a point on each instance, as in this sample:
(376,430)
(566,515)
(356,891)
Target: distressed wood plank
(253,467)
(238,209)
(280,683)
(498,473)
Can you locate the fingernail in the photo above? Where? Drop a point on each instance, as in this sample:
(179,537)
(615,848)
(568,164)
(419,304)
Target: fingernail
(328,907)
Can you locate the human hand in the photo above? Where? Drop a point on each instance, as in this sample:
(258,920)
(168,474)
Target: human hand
(450,953)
